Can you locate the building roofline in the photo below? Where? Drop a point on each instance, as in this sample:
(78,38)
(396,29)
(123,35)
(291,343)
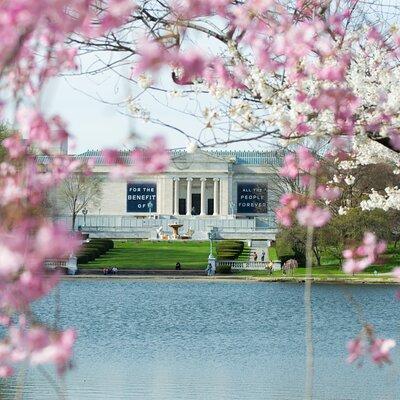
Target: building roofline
(240,157)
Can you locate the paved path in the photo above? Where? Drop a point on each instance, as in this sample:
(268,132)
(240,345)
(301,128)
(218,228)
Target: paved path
(160,272)
(177,275)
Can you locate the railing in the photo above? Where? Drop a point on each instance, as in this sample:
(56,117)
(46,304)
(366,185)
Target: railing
(70,264)
(53,264)
(248,265)
(122,223)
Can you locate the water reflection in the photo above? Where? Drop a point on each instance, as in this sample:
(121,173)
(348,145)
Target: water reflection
(194,340)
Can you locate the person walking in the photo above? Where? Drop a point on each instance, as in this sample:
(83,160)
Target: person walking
(178,266)
(255,256)
(270,266)
(263,256)
(208,269)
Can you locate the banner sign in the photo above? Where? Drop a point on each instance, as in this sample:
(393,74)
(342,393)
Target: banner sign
(141,197)
(252,198)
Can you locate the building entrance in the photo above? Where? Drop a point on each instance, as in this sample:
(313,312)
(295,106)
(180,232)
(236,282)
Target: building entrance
(210,207)
(196,204)
(182,206)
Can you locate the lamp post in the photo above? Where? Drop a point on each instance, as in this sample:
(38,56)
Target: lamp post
(211,259)
(149,206)
(84,212)
(211,236)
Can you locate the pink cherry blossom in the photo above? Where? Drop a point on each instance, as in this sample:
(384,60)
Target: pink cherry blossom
(193,8)
(306,160)
(303,162)
(284,216)
(152,55)
(152,159)
(380,349)
(36,345)
(312,215)
(192,64)
(111,156)
(217,74)
(395,139)
(396,273)
(367,344)
(327,192)
(342,102)
(6,371)
(290,200)
(356,349)
(34,50)
(15,146)
(290,167)
(304,44)
(361,257)
(52,348)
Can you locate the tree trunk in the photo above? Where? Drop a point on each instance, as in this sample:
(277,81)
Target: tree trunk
(317,256)
(73,221)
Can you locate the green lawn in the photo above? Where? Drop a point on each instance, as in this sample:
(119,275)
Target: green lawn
(153,255)
(318,272)
(330,268)
(331,265)
(194,255)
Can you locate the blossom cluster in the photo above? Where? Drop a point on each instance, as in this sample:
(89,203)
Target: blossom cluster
(151,159)
(34,49)
(303,166)
(35,345)
(361,257)
(366,344)
(296,71)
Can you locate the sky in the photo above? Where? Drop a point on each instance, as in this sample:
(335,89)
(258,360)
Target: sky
(90,105)
(83,102)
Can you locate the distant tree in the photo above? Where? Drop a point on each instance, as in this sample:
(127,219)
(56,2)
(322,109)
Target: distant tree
(341,232)
(4,133)
(347,230)
(291,243)
(394,221)
(78,192)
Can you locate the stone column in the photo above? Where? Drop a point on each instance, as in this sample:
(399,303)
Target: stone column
(176,196)
(203,196)
(225,195)
(216,196)
(189,196)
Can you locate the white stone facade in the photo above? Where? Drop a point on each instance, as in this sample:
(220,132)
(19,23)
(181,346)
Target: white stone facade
(232,192)
(202,184)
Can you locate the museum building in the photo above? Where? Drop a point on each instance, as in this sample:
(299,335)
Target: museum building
(226,190)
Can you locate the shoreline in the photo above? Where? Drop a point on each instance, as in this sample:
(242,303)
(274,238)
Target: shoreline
(231,278)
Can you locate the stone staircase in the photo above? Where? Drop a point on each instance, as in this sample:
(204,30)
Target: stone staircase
(256,248)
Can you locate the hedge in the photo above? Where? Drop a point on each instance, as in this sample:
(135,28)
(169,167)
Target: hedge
(224,269)
(93,249)
(106,242)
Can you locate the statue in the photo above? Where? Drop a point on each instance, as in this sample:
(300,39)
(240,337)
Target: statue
(190,232)
(160,232)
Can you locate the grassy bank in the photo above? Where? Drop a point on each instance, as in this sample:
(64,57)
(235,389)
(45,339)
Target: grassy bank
(153,255)
(319,273)
(330,266)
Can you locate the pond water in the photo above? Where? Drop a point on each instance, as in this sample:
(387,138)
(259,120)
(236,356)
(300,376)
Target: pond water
(187,340)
